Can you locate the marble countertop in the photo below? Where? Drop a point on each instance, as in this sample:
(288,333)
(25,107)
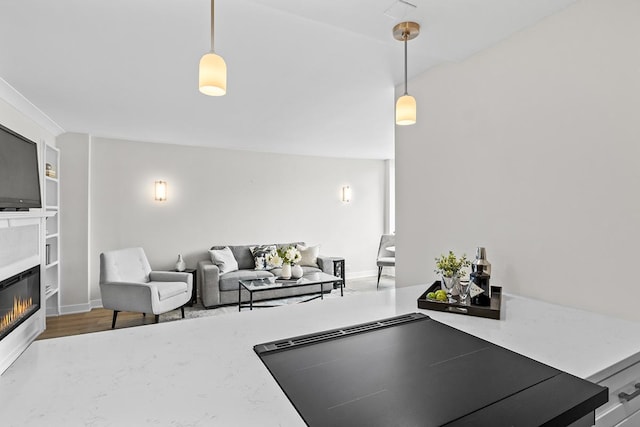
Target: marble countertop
(203,372)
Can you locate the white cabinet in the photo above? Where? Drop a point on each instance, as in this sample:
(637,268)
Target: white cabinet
(619,411)
(632,421)
(51,228)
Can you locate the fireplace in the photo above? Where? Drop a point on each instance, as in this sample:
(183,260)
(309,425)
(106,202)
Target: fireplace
(19,299)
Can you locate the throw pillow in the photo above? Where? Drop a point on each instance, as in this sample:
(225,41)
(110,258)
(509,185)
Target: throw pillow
(260,256)
(309,255)
(224,259)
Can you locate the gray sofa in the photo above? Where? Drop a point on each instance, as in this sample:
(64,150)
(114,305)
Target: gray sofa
(217,289)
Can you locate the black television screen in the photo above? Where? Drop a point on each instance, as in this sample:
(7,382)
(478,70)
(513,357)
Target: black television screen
(19,173)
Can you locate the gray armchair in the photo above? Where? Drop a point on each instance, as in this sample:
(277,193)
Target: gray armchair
(128,284)
(386,258)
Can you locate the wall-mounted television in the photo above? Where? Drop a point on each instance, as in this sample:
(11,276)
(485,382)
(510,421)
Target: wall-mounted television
(19,172)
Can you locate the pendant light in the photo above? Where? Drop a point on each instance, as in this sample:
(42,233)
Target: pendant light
(213,70)
(406,104)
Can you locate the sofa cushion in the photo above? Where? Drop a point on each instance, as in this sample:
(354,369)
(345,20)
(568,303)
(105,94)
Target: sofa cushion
(244,257)
(260,253)
(309,255)
(229,281)
(307,269)
(224,259)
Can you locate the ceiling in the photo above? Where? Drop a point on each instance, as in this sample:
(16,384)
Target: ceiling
(311,77)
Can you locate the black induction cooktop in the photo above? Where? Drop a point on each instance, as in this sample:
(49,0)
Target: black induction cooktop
(414,371)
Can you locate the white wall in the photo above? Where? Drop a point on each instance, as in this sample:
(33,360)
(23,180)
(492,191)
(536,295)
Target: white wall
(75,151)
(390,194)
(218,196)
(532,149)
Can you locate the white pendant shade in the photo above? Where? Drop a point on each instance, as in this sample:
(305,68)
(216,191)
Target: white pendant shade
(213,75)
(406,110)
(406,104)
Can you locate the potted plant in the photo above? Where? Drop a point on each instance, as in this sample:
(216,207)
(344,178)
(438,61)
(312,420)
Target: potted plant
(450,268)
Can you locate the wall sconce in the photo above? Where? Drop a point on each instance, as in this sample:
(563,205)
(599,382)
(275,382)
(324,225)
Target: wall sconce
(346,194)
(161,191)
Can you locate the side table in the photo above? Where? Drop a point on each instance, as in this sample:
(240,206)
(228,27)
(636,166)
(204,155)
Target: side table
(194,291)
(338,271)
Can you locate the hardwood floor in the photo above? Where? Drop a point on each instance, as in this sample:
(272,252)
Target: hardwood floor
(98,319)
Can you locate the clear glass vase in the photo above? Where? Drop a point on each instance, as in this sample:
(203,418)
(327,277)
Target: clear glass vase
(448,284)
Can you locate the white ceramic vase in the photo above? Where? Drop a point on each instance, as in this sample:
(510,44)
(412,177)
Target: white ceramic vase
(296,272)
(180,265)
(286,271)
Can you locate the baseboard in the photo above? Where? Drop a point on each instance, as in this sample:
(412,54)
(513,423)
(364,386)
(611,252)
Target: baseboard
(52,312)
(75,308)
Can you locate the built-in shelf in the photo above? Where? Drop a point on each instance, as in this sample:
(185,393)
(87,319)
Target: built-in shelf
(51,250)
(50,292)
(52,264)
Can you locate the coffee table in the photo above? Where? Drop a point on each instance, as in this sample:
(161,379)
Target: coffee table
(271,283)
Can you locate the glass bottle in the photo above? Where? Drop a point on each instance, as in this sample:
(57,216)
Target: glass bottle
(480,276)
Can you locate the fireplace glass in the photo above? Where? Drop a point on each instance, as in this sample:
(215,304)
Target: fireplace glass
(19,299)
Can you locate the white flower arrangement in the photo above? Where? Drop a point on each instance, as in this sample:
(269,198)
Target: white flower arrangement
(274,260)
(286,255)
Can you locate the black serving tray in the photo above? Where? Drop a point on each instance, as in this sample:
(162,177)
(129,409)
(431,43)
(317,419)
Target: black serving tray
(491,312)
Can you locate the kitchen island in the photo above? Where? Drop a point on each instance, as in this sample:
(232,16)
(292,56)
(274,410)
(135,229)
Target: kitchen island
(203,372)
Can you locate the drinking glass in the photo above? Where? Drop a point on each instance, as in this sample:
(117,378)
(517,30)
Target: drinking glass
(463,290)
(448,283)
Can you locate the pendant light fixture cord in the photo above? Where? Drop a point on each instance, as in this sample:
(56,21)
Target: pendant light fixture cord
(404,36)
(212,17)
